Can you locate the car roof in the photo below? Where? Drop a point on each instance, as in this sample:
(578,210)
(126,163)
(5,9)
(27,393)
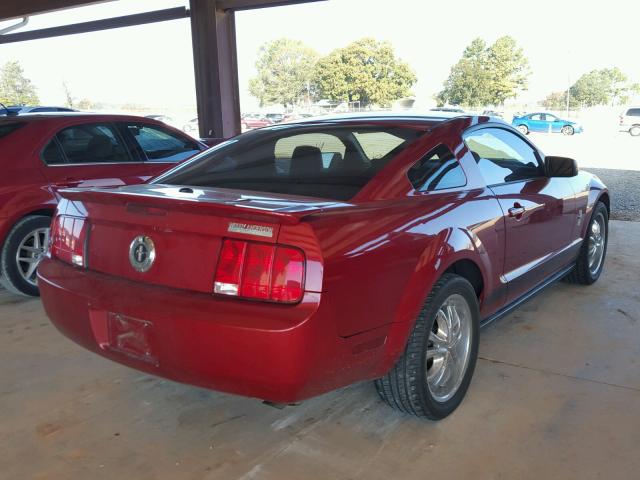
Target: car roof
(415,118)
(44,116)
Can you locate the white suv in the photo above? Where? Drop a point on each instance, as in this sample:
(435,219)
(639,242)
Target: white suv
(630,121)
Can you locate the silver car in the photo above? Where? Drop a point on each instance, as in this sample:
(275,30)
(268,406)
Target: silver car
(630,121)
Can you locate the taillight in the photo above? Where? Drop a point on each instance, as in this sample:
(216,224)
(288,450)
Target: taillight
(260,271)
(68,238)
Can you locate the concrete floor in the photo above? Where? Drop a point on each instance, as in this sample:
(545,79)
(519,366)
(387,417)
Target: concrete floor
(556,394)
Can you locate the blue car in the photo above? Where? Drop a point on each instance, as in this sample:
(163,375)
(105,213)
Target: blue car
(545,122)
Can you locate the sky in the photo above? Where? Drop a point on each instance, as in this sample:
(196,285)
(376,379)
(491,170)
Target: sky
(152,64)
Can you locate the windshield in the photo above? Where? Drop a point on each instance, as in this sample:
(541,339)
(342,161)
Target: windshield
(332,162)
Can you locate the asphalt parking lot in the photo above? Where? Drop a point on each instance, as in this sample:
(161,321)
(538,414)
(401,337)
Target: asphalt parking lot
(556,394)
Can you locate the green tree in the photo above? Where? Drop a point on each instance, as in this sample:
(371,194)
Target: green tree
(365,71)
(15,88)
(70,100)
(486,75)
(509,70)
(558,101)
(285,71)
(591,89)
(603,87)
(468,80)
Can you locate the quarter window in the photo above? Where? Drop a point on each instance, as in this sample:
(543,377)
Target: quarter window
(502,156)
(52,154)
(161,145)
(437,170)
(94,143)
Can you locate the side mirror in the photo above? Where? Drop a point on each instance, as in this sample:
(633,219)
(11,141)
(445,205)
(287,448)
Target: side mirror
(560,167)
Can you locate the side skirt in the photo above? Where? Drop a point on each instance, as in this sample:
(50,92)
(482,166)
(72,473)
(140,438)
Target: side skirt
(527,296)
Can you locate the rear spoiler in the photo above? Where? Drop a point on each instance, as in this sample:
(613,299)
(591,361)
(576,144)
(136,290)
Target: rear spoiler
(156,204)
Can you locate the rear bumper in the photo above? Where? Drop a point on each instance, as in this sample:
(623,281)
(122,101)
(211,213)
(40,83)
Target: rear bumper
(274,352)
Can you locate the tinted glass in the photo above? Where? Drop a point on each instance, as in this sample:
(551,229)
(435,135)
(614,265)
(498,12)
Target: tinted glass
(327,162)
(437,170)
(95,143)
(52,154)
(162,145)
(502,156)
(634,112)
(7,128)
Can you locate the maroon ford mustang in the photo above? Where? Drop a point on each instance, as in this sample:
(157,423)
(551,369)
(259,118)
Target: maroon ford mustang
(296,259)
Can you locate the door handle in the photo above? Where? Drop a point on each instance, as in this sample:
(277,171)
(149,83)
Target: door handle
(516,211)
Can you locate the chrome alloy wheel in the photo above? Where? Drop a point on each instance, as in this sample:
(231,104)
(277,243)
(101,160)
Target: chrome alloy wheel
(448,348)
(597,237)
(30,252)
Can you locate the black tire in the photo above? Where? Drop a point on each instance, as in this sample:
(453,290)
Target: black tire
(405,387)
(523,129)
(582,273)
(10,276)
(568,130)
(634,131)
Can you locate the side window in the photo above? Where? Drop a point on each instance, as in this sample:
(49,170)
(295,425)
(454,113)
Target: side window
(437,170)
(308,154)
(161,145)
(93,143)
(52,155)
(550,118)
(536,116)
(502,156)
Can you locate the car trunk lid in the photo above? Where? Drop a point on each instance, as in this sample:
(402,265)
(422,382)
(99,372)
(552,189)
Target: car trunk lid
(186,226)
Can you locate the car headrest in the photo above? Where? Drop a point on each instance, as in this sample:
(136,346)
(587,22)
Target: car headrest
(306,161)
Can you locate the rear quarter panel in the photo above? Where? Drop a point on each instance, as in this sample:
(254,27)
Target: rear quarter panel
(380,264)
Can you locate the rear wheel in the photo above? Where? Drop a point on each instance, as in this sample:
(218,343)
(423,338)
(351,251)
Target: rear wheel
(635,130)
(431,377)
(23,250)
(523,129)
(590,261)
(567,130)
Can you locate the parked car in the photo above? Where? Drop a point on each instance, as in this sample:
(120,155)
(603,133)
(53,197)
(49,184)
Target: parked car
(292,117)
(42,153)
(545,122)
(630,121)
(261,270)
(447,109)
(275,117)
(191,126)
(493,113)
(22,109)
(161,118)
(249,122)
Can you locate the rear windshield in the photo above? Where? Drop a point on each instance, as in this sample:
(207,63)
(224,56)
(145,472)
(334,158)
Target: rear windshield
(332,162)
(633,112)
(7,128)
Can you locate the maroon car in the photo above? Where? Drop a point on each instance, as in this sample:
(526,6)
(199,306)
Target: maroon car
(250,121)
(300,258)
(41,153)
